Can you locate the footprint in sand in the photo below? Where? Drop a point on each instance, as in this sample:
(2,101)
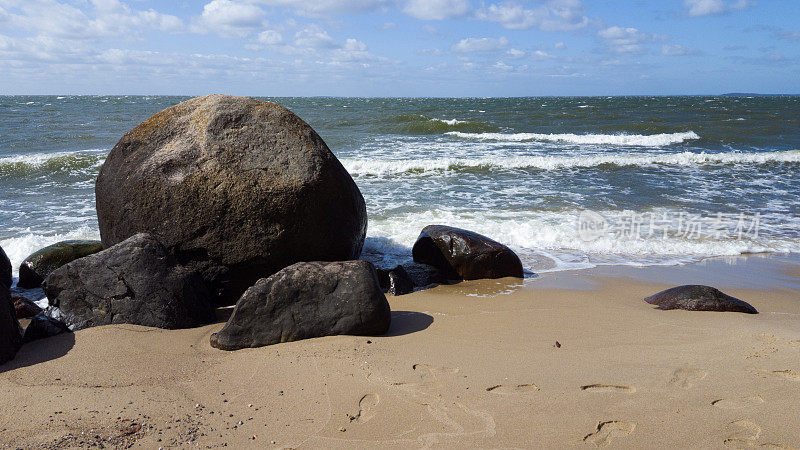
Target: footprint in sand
(366,408)
(608,388)
(428,373)
(742,433)
(608,431)
(687,378)
(795,343)
(518,389)
(738,403)
(788,374)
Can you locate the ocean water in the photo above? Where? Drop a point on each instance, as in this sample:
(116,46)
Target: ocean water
(568,183)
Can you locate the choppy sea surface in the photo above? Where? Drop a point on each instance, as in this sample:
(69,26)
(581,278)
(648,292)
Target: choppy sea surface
(568,183)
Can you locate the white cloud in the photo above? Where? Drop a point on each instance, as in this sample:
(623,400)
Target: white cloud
(436,9)
(553,15)
(314,37)
(269,37)
(541,54)
(230,18)
(480,44)
(624,40)
(514,53)
(559,46)
(318,7)
(500,65)
(675,50)
(698,8)
(101,18)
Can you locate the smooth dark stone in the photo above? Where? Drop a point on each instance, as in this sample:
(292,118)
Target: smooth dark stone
(24,308)
(10,331)
(5,269)
(38,265)
(235,188)
(307,300)
(693,297)
(43,326)
(465,255)
(136,281)
(395,281)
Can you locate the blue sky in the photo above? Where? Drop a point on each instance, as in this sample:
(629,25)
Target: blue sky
(399,47)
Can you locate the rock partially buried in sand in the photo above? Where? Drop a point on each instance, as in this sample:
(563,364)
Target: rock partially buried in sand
(10,331)
(135,281)
(234,187)
(43,326)
(37,266)
(5,269)
(307,300)
(395,281)
(699,298)
(465,255)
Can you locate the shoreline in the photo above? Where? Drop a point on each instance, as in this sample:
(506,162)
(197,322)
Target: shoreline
(454,370)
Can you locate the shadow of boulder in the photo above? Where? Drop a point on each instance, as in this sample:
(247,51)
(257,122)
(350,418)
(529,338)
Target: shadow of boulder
(407,322)
(40,351)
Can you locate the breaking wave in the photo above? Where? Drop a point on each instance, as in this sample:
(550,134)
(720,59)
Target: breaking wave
(653,140)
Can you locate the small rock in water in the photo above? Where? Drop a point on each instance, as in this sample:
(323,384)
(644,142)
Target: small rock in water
(465,255)
(699,298)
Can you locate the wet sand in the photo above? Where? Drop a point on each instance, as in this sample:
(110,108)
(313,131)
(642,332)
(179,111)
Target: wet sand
(568,359)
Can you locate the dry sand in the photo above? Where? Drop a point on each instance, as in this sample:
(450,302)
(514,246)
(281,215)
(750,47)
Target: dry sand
(570,359)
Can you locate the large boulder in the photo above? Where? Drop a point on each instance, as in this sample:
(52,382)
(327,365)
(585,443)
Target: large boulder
(236,188)
(136,281)
(694,297)
(38,265)
(10,331)
(5,269)
(465,255)
(307,300)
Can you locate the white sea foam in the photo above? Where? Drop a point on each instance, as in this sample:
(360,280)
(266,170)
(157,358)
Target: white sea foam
(652,140)
(40,159)
(450,122)
(367,166)
(548,241)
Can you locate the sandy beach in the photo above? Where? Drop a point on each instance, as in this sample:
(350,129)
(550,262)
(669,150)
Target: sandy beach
(568,359)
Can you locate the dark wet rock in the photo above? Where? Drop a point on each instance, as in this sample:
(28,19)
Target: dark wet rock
(10,331)
(307,300)
(236,188)
(5,269)
(423,275)
(395,281)
(43,326)
(136,281)
(24,308)
(699,298)
(37,266)
(465,255)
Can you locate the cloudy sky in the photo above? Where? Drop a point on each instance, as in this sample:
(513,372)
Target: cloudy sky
(399,47)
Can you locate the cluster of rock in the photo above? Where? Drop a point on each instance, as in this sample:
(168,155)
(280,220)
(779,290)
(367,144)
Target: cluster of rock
(221,200)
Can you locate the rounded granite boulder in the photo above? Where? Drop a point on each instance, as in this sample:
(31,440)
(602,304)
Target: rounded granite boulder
(234,187)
